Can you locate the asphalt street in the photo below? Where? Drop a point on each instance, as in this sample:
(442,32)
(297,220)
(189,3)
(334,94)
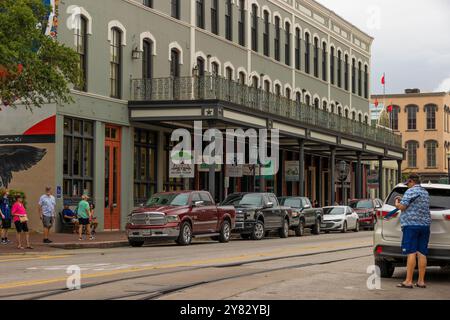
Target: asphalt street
(328,266)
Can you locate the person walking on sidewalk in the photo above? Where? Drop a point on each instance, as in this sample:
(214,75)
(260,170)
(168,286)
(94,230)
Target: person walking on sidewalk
(5,214)
(21,222)
(84,216)
(415,222)
(94,222)
(47,206)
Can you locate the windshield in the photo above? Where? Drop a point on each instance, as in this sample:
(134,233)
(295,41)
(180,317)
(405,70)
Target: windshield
(333,211)
(168,199)
(363,204)
(439,198)
(291,202)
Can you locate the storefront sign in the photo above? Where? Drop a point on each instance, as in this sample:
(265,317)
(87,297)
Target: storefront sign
(181,170)
(205,167)
(249,170)
(235,171)
(291,171)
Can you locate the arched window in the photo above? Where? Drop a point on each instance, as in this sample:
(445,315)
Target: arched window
(353,115)
(147,59)
(346,73)
(316,103)
(288,93)
(431,116)
(366,82)
(332,108)
(324,105)
(277,38)
(287,46)
(255,82)
(215,69)
(81,48)
(354,76)
(278,90)
(360,78)
(267,86)
(307,53)
(241,78)
(229,73)
(360,117)
(394,117)
(411,147)
(297,49)
(115,63)
(324,61)
(332,65)
(174,63)
(340,111)
(255,27)
(346,113)
(316,57)
(200,67)
(366,119)
(266,37)
(308,100)
(431,146)
(339,69)
(298,97)
(412,117)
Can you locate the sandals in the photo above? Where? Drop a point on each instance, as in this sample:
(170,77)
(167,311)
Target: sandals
(421,286)
(21,248)
(405,286)
(30,247)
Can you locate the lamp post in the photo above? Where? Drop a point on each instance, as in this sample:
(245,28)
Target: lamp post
(344,170)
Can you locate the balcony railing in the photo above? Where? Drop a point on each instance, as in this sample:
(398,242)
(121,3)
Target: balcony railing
(218,88)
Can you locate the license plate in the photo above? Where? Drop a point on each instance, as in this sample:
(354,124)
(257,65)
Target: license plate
(147,232)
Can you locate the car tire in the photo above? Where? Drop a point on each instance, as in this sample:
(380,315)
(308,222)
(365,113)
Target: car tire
(300,230)
(357,226)
(136,244)
(258,231)
(225,232)
(344,227)
(185,237)
(386,268)
(284,230)
(316,229)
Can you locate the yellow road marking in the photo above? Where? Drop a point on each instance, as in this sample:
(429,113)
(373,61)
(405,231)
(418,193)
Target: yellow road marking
(45,257)
(169,266)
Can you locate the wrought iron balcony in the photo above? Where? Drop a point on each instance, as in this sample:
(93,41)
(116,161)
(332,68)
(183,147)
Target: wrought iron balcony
(218,88)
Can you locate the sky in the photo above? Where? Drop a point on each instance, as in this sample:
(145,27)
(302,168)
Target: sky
(412,41)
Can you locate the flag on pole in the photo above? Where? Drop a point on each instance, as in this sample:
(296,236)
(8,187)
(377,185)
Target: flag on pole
(383,79)
(390,108)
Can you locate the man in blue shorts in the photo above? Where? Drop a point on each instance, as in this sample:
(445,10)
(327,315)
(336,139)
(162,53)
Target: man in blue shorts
(415,221)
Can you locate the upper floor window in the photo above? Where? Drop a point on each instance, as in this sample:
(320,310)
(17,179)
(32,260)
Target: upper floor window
(297,49)
(346,113)
(288,93)
(215,16)
(277,38)
(254,27)
(394,117)
(431,116)
(316,57)
(229,20)
(307,53)
(298,97)
(147,59)
(324,62)
(431,146)
(201,14)
(287,47)
(174,63)
(332,64)
(411,150)
(354,76)
(175,8)
(316,103)
(339,70)
(360,78)
(366,82)
(148,3)
(308,100)
(229,73)
(81,48)
(353,115)
(278,90)
(266,35)
(215,69)
(412,117)
(340,111)
(242,15)
(241,78)
(267,86)
(115,63)
(346,72)
(201,67)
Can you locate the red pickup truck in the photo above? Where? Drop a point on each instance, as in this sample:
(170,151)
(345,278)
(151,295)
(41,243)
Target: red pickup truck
(180,216)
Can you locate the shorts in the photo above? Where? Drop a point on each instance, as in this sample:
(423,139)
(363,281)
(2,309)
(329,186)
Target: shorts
(83,222)
(21,226)
(47,222)
(6,223)
(415,239)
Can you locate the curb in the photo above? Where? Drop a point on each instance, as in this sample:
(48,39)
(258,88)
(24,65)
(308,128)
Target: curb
(90,245)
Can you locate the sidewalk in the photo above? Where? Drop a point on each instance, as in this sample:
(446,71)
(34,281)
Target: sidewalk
(65,241)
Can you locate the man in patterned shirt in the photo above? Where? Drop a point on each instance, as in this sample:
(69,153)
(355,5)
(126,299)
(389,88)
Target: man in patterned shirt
(415,221)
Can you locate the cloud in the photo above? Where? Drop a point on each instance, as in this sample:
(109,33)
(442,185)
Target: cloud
(444,86)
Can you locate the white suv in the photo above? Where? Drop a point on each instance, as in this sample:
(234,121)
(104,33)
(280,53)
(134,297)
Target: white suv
(388,233)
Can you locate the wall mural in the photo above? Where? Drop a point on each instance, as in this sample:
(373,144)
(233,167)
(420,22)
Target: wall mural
(16,158)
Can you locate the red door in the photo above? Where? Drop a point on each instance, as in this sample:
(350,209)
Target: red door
(112,178)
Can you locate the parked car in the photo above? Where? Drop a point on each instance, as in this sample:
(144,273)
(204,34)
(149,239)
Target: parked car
(388,233)
(259,213)
(180,216)
(340,218)
(303,215)
(366,210)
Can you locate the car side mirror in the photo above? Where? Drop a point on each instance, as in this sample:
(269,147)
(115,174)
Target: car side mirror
(198,203)
(269,205)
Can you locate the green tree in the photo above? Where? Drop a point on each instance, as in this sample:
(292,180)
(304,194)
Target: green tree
(34,68)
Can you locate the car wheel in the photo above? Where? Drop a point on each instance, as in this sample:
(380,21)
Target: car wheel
(357,226)
(284,231)
(344,227)
(386,268)
(225,232)
(245,236)
(316,228)
(136,244)
(300,230)
(185,237)
(258,231)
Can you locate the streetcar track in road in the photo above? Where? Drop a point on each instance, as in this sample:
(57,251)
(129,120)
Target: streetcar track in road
(56,292)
